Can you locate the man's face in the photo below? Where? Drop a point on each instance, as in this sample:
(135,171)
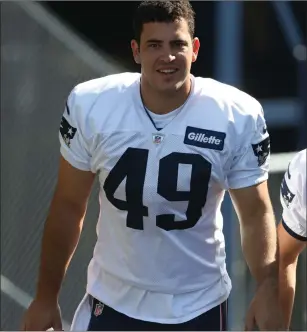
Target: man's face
(166,52)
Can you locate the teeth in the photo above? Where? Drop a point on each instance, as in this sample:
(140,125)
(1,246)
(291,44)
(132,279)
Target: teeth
(167,71)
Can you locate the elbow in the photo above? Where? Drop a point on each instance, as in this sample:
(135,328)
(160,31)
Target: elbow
(258,216)
(69,206)
(256,209)
(286,260)
(65,213)
(261,208)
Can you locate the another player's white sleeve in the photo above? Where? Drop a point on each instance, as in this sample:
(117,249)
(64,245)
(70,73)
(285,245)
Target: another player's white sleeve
(74,147)
(293,197)
(250,164)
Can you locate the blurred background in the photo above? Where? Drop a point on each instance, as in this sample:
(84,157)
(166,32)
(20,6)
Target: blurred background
(49,47)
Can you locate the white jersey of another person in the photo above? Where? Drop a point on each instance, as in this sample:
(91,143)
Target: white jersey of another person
(160,251)
(293,197)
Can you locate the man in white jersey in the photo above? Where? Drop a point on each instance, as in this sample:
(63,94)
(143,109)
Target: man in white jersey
(165,146)
(292,229)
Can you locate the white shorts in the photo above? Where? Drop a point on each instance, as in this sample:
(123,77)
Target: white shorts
(82,315)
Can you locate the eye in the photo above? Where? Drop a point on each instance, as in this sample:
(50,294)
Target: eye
(153,45)
(180,44)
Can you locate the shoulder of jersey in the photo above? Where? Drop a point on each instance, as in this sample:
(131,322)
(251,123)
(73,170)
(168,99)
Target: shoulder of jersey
(298,163)
(226,95)
(88,92)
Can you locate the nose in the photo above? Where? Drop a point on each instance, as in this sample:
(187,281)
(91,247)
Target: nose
(167,55)
(168,58)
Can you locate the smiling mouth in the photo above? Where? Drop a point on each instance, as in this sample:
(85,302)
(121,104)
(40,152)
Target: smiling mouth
(167,71)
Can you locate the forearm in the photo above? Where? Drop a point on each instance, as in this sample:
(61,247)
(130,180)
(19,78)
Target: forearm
(259,245)
(61,235)
(287,284)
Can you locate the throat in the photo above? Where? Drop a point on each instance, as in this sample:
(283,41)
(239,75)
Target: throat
(160,121)
(164,103)
(164,106)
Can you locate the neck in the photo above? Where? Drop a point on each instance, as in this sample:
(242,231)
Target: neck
(164,102)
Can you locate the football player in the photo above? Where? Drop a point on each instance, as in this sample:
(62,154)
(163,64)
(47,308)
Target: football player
(165,146)
(292,229)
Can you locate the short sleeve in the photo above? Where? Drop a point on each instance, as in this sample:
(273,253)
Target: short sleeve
(293,199)
(73,147)
(250,163)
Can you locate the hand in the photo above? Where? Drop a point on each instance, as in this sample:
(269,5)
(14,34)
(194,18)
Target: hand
(41,316)
(265,311)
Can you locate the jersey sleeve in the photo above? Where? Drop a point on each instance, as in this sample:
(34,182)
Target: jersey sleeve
(73,145)
(250,162)
(293,199)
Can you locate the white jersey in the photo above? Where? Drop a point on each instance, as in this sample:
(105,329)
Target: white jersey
(293,197)
(160,251)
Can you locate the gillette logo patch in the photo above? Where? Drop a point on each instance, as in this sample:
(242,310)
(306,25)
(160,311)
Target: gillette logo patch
(203,138)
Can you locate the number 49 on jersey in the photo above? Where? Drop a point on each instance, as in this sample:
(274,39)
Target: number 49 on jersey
(133,164)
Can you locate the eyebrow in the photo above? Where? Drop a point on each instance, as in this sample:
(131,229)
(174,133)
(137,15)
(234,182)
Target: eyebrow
(154,41)
(179,41)
(158,41)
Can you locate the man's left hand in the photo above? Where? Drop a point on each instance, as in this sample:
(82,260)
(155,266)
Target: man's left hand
(265,311)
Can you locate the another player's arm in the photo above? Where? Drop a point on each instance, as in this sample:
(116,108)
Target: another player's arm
(289,251)
(63,227)
(291,231)
(258,231)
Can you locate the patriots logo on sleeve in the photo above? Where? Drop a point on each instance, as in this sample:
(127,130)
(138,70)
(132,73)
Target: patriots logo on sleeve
(262,150)
(67,131)
(286,194)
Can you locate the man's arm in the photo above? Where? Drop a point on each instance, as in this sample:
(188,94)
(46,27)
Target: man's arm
(289,250)
(258,231)
(259,245)
(63,228)
(291,230)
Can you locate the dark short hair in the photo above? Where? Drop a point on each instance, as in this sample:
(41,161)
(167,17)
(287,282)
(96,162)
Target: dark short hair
(163,11)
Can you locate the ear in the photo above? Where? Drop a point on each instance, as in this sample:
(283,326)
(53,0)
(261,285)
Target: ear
(136,51)
(196,46)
